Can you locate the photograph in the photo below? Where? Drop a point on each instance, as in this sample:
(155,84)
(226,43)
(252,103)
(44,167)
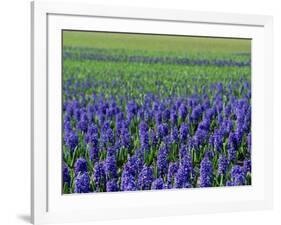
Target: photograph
(145,112)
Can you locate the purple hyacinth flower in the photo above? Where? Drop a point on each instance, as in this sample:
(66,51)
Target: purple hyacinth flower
(158,117)
(76,113)
(82,124)
(80,166)
(158,184)
(145,178)
(82,183)
(183,151)
(110,167)
(144,135)
(233,140)
(128,182)
(162,161)
(184,173)
(247,166)
(163,130)
(132,165)
(71,140)
(94,153)
(125,138)
(93,129)
(218,141)
(173,168)
(143,127)
(67,127)
(232,153)
(110,136)
(111,151)
(166,115)
(205,124)
(238,176)
(153,138)
(222,165)
(196,113)
(99,176)
(206,173)
(119,122)
(182,111)
(132,109)
(111,186)
(174,117)
(148,115)
(174,135)
(200,137)
(92,139)
(184,132)
(229,183)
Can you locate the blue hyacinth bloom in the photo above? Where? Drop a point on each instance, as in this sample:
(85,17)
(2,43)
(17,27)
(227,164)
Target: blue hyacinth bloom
(144,135)
(99,176)
(111,186)
(183,151)
(222,165)
(80,166)
(182,112)
(166,115)
(200,137)
(71,140)
(196,113)
(82,183)
(184,173)
(206,173)
(174,117)
(183,132)
(163,130)
(83,123)
(132,165)
(153,138)
(218,142)
(158,184)
(162,161)
(110,167)
(173,168)
(145,178)
(174,135)
(238,176)
(94,153)
(125,138)
(247,166)
(128,182)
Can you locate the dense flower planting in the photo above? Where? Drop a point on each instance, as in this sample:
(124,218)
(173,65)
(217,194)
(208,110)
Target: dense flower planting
(130,125)
(116,144)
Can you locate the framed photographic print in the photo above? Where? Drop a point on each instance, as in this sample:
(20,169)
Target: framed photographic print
(148,112)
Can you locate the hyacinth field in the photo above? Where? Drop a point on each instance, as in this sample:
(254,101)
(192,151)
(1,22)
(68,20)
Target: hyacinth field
(149,112)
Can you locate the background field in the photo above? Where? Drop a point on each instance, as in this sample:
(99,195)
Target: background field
(146,59)
(182,44)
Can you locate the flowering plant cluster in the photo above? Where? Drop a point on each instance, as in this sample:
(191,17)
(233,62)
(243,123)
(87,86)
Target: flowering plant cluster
(147,123)
(116,144)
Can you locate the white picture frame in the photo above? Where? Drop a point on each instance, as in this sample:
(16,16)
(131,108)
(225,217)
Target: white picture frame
(48,205)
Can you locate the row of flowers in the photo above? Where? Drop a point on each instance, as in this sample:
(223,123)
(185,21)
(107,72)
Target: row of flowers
(118,143)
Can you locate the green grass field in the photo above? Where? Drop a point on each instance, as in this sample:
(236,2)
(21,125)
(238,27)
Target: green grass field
(179,44)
